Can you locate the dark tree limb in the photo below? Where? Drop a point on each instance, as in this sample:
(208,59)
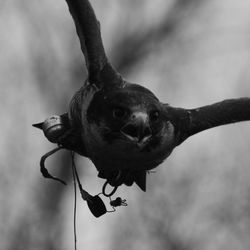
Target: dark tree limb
(135,46)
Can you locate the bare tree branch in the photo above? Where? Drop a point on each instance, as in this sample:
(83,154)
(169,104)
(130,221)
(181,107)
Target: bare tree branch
(136,45)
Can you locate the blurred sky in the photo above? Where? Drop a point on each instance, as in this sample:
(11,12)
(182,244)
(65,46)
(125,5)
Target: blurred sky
(190,53)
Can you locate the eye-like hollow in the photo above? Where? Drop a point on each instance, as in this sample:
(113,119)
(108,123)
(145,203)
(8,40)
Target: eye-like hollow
(154,116)
(119,113)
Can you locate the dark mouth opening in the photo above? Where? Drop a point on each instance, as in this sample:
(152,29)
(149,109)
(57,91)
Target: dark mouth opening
(130,130)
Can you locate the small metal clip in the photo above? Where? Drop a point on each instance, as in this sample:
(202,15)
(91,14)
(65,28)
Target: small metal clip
(104,190)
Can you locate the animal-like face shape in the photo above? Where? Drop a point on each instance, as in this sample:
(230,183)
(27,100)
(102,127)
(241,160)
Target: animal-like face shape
(131,115)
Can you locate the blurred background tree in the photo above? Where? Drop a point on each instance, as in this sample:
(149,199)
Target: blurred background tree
(190,53)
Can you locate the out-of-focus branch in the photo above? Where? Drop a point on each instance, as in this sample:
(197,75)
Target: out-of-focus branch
(135,46)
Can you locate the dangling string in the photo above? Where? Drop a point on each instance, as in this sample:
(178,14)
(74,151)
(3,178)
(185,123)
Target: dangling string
(75,197)
(85,195)
(95,203)
(44,170)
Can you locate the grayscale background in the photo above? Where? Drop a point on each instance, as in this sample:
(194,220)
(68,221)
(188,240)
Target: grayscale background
(190,53)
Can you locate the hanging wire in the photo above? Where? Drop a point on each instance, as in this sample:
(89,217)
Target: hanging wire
(85,195)
(43,169)
(75,197)
(95,203)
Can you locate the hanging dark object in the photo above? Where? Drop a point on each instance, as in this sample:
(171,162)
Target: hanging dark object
(95,203)
(122,127)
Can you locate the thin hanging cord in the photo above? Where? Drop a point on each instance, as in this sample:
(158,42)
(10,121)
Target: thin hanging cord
(44,170)
(75,172)
(75,197)
(85,195)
